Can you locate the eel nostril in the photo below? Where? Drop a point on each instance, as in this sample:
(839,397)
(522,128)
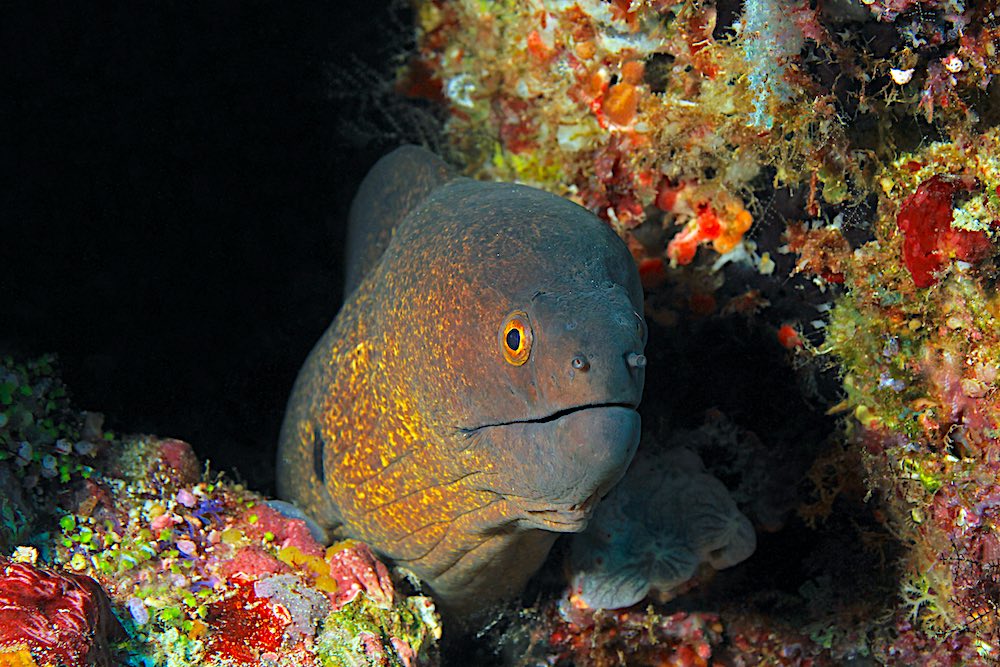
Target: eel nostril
(635,360)
(580,363)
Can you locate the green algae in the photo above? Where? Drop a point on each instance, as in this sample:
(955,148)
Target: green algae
(347,634)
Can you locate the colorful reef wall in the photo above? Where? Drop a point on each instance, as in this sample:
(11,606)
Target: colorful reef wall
(845,150)
(824,171)
(127,551)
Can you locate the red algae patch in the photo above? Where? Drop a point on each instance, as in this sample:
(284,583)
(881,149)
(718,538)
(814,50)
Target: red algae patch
(244,627)
(930,241)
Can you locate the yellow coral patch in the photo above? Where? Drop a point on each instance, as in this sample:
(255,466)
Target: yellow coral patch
(16,658)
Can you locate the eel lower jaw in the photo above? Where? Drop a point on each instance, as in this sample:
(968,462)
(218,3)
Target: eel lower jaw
(566,519)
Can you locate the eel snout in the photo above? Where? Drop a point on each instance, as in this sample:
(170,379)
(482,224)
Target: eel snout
(555,468)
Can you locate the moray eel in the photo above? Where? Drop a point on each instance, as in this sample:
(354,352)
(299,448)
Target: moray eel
(476,395)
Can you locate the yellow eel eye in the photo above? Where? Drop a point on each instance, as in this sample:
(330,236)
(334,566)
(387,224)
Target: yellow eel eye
(515,338)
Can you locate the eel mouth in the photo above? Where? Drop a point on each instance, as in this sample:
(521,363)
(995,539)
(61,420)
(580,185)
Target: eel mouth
(559,414)
(554,469)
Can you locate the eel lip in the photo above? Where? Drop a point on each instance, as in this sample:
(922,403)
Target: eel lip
(559,414)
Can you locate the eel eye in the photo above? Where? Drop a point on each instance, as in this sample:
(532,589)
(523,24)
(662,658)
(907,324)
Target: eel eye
(515,338)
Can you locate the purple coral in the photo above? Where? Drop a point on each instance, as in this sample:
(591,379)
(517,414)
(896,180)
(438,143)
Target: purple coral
(666,517)
(306,606)
(210,510)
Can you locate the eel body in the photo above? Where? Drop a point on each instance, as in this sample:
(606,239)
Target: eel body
(476,394)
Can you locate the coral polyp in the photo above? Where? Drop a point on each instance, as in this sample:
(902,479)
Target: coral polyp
(55,616)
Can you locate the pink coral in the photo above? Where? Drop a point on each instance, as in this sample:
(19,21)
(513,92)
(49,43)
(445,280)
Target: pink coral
(252,561)
(180,458)
(357,570)
(287,532)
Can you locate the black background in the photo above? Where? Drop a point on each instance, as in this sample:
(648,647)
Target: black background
(175,180)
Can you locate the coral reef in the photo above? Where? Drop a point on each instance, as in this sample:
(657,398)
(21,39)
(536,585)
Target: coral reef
(917,335)
(648,637)
(597,638)
(199,570)
(824,170)
(679,121)
(825,173)
(628,108)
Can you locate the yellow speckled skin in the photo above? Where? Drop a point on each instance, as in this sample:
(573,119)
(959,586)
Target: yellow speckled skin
(407,427)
